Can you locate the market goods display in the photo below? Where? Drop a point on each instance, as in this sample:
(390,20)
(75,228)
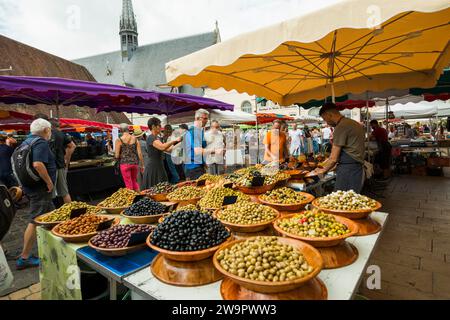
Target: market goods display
(186,193)
(246,213)
(189,231)
(313,224)
(346,201)
(145,207)
(210,178)
(83,224)
(214,198)
(123,198)
(284,196)
(118,236)
(189,207)
(264,259)
(63,213)
(160,188)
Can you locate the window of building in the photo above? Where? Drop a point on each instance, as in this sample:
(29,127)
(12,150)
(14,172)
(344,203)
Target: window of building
(247,107)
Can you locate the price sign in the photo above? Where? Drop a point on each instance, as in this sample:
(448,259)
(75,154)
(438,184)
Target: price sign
(228,185)
(138,198)
(138,238)
(105,225)
(201,183)
(258,181)
(75,213)
(229,200)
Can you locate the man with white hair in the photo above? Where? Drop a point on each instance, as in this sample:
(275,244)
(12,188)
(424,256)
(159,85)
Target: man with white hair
(40,194)
(195,146)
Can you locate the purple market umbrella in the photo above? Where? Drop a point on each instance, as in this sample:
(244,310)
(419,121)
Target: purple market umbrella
(103,97)
(170,104)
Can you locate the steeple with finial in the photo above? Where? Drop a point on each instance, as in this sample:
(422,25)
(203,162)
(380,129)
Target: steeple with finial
(128,30)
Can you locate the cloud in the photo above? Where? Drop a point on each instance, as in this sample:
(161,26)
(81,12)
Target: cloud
(79,28)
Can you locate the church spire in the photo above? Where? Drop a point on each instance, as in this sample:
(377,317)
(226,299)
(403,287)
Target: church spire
(128,30)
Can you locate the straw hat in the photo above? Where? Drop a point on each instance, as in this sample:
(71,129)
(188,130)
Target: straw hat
(138,133)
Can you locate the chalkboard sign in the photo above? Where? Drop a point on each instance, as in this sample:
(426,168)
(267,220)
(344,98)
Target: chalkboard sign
(258,181)
(229,200)
(105,225)
(228,185)
(201,183)
(171,207)
(138,198)
(75,213)
(138,238)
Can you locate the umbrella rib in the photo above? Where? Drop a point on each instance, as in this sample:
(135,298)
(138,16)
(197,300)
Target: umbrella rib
(386,49)
(332,56)
(401,36)
(304,76)
(300,68)
(243,79)
(298,47)
(389,23)
(309,60)
(371,53)
(342,74)
(273,65)
(391,61)
(356,53)
(44,101)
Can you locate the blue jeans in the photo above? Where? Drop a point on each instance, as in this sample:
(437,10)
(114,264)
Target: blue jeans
(173,173)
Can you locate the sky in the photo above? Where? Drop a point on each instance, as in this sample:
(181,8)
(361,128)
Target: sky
(79,28)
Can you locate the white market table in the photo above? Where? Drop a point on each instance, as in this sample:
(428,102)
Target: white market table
(341,283)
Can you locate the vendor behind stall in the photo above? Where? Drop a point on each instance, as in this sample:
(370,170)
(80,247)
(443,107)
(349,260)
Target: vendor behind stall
(383,157)
(348,150)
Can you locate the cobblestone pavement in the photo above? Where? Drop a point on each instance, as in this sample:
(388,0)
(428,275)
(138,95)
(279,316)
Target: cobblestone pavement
(13,243)
(413,252)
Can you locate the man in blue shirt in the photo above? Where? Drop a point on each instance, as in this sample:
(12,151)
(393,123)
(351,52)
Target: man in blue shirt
(41,195)
(195,147)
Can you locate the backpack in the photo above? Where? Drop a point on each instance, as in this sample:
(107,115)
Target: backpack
(22,164)
(7,211)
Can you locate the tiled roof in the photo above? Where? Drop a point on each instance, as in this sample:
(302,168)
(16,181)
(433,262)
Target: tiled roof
(29,61)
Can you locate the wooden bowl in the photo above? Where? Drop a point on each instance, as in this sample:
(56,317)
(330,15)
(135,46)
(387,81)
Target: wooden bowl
(247,228)
(311,254)
(296,174)
(289,207)
(117,210)
(47,225)
(79,238)
(182,203)
(320,242)
(256,190)
(119,252)
(186,256)
(354,215)
(160,197)
(144,219)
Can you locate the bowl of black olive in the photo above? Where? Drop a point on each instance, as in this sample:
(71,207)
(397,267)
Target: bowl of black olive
(115,242)
(188,236)
(147,211)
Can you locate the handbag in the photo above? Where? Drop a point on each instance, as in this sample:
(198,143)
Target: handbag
(7,211)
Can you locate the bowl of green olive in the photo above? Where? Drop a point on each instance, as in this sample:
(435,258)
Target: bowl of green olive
(348,204)
(286,199)
(317,228)
(268,264)
(247,217)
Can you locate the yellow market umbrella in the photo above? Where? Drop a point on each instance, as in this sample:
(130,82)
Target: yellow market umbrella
(353,46)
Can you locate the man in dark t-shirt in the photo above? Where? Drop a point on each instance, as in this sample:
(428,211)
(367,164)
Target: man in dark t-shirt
(63,147)
(6,172)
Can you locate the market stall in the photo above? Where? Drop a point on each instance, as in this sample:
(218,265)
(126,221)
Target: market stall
(154,262)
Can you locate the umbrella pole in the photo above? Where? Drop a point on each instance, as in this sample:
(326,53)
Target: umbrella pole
(333,95)
(368,124)
(387,112)
(257,132)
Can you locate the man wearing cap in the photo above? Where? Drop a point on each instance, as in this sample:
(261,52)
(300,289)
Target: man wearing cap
(348,150)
